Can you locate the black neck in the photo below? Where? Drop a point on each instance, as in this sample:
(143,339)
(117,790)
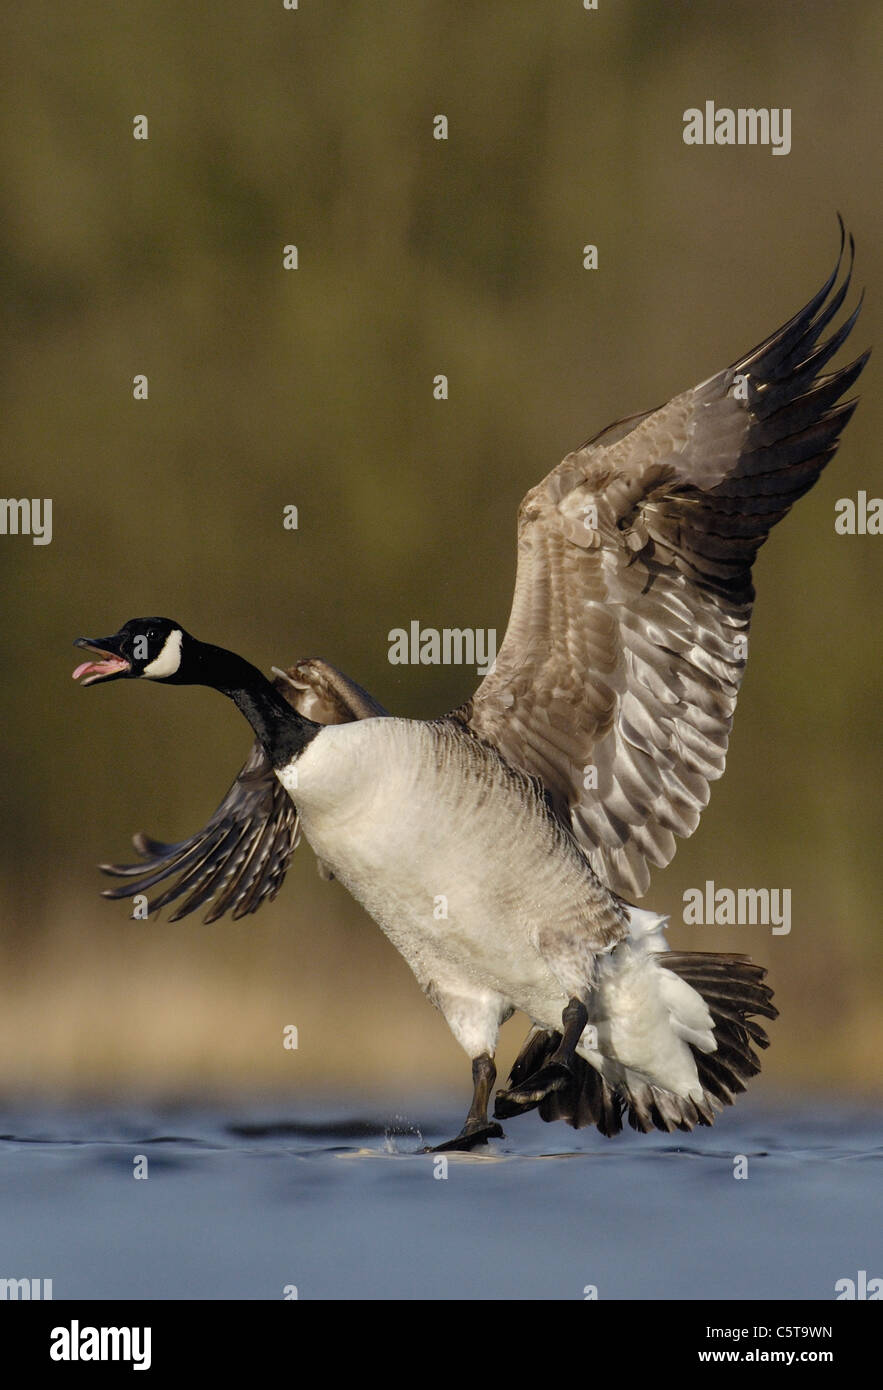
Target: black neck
(283,732)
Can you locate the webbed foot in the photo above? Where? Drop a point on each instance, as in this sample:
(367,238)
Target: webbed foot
(468,1138)
(528,1094)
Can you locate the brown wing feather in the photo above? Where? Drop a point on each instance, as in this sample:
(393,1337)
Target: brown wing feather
(618,676)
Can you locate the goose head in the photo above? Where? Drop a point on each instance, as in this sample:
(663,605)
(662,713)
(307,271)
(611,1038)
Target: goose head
(158,649)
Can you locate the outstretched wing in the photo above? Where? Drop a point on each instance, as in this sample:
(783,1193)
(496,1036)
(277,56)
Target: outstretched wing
(240,858)
(618,675)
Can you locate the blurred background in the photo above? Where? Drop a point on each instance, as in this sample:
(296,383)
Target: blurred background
(313,388)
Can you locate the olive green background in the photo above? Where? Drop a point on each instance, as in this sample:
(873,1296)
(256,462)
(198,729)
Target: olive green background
(314,388)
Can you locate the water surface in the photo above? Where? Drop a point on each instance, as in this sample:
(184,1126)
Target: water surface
(245,1199)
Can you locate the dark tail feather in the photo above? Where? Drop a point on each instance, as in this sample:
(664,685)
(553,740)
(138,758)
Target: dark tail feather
(733,989)
(734,992)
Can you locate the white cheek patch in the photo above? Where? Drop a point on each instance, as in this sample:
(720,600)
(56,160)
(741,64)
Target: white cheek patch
(169,659)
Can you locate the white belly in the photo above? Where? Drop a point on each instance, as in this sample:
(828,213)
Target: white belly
(442,847)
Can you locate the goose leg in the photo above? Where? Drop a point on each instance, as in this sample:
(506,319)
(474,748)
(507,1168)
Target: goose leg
(474,1014)
(477,1128)
(554,1075)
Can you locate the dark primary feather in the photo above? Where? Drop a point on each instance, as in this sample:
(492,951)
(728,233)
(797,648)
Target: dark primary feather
(240,858)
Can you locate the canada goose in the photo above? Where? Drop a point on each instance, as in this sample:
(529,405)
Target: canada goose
(534,811)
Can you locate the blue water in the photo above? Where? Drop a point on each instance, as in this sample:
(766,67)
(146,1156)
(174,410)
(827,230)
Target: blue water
(243,1200)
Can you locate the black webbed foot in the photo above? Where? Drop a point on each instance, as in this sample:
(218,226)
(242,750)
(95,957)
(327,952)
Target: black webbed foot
(468,1139)
(528,1094)
(477,1129)
(530,1091)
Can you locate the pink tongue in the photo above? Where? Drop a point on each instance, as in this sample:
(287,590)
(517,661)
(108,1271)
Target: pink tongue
(90,666)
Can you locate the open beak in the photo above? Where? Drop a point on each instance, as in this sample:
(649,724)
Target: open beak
(110,667)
